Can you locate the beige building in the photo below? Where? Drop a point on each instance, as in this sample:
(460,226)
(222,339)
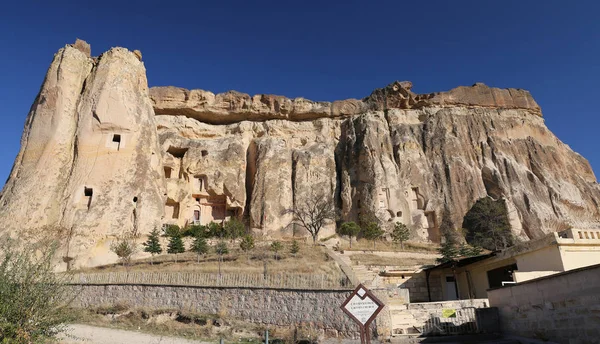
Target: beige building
(471,277)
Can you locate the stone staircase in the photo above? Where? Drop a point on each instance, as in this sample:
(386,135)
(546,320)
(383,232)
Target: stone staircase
(365,275)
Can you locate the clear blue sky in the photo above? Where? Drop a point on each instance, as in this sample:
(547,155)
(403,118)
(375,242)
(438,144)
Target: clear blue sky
(321,50)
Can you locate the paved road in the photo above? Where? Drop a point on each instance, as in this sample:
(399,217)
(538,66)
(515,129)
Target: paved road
(79,334)
(85,334)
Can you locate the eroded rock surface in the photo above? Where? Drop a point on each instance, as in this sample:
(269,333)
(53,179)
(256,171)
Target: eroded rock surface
(103,156)
(90,166)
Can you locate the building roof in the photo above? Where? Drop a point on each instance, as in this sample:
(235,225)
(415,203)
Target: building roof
(462,261)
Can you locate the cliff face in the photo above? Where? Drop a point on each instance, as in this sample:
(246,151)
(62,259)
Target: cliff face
(103,156)
(89,167)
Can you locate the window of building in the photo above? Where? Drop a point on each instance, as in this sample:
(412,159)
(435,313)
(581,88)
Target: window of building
(417,201)
(499,275)
(172,209)
(88,193)
(117,140)
(168,171)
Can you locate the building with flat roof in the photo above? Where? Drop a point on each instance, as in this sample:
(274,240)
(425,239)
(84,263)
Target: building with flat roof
(471,277)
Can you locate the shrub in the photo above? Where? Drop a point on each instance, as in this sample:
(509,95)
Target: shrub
(234,228)
(34,299)
(295,248)
(216,230)
(195,231)
(247,243)
(171,230)
(124,248)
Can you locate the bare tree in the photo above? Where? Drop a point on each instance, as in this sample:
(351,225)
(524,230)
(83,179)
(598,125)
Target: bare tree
(313,213)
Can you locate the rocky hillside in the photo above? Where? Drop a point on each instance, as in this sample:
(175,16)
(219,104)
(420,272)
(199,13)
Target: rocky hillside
(102,155)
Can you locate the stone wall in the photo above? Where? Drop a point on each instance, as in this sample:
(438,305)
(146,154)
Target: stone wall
(277,307)
(416,284)
(563,308)
(407,318)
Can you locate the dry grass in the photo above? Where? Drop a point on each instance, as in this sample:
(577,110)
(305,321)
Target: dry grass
(177,323)
(385,246)
(310,259)
(372,259)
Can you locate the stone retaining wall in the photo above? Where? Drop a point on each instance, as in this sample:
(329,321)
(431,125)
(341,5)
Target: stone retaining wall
(563,308)
(278,307)
(407,319)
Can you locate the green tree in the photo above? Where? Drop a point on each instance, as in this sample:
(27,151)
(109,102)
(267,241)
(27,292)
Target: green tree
(199,246)
(152,245)
(247,244)
(195,231)
(171,230)
(294,248)
(276,246)
(124,248)
(221,249)
(175,245)
(448,251)
(34,300)
(372,231)
(234,228)
(400,234)
(216,230)
(469,251)
(350,229)
(451,250)
(487,225)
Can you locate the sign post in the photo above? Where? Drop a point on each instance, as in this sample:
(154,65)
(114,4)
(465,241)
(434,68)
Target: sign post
(362,306)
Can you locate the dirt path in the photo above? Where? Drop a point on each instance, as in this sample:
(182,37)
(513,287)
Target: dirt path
(78,334)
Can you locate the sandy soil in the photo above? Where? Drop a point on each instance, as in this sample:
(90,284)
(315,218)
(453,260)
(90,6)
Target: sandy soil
(78,334)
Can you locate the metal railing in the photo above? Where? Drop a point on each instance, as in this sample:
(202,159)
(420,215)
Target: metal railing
(454,322)
(242,280)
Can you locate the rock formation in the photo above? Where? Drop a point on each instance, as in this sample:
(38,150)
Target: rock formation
(103,156)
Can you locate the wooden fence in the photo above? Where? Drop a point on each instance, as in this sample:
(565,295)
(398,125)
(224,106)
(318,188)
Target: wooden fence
(243,280)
